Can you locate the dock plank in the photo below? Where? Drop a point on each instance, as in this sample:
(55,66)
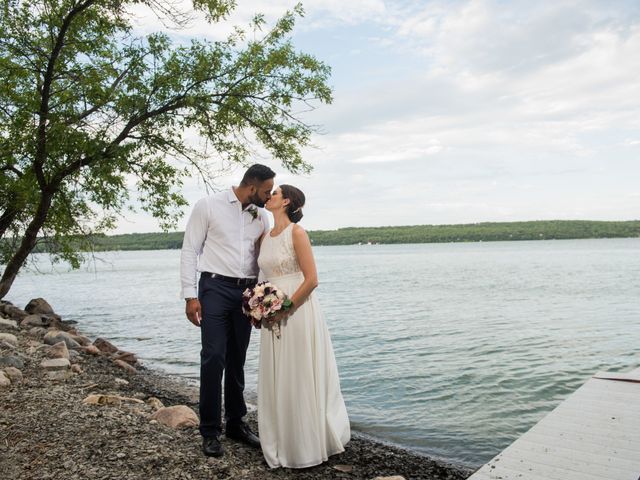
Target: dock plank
(593,435)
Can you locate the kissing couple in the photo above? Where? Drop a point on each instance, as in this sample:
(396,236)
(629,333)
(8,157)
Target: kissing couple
(228,244)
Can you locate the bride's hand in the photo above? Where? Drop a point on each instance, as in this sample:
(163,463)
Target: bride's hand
(278,317)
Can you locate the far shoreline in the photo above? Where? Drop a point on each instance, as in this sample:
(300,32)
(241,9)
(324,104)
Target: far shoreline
(409,234)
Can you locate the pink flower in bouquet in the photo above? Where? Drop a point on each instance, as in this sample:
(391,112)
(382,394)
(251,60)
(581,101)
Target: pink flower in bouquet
(276,304)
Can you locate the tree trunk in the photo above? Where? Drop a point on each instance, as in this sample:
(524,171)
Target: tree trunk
(26,245)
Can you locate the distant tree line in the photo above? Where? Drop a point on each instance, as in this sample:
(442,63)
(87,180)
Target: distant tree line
(475,232)
(479,232)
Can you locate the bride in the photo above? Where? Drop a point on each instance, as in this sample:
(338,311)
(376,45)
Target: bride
(302,418)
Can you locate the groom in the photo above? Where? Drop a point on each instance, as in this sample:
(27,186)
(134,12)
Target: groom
(221,243)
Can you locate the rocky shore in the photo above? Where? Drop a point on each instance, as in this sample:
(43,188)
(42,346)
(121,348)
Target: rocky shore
(75,408)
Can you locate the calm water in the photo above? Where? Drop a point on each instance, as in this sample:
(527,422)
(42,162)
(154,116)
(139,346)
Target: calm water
(450,349)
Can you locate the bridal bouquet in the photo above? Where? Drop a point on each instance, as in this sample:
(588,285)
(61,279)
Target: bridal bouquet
(263,302)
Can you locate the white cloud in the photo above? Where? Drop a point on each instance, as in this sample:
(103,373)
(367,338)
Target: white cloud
(318,14)
(500,111)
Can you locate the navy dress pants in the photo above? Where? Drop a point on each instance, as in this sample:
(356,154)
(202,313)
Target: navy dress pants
(225,332)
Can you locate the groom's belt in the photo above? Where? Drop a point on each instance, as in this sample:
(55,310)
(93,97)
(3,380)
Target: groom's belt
(235,280)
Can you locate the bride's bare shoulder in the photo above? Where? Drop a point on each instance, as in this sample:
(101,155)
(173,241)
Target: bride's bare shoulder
(299,234)
(298,230)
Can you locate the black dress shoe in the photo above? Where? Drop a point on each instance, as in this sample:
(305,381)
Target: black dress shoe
(242,433)
(211,447)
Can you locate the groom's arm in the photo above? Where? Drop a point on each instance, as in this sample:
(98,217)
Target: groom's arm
(195,235)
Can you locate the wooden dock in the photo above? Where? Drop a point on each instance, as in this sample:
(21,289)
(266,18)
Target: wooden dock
(593,435)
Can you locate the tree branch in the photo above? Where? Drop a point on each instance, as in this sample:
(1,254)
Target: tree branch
(40,154)
(11,168)
(176,103)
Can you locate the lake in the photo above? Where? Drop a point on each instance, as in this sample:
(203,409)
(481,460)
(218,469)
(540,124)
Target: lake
(453,350)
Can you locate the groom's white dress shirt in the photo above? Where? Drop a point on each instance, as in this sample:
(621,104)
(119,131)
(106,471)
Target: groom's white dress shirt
(220,238)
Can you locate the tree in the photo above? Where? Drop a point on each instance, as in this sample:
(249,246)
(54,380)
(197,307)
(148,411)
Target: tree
(86,108)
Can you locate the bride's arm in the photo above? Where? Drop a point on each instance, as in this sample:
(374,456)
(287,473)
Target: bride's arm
(302,246)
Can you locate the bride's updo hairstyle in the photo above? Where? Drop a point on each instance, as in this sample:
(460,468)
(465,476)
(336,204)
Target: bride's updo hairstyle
(296,202)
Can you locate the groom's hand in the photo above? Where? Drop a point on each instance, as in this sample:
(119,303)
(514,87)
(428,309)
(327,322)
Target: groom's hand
(194,311)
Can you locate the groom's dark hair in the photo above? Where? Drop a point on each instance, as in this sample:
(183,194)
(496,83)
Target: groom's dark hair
(257,174)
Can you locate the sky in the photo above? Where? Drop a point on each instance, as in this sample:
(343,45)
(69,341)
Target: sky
(450,112)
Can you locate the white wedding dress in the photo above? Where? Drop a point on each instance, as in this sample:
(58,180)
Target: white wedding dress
(302,418)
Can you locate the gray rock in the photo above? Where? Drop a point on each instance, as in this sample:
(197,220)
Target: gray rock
(55,321)
(11,324)
(4,380)
(125,366)
(14,374)
(54,336)
(7,346)
(82,340)
(11,361)
(128,357)
(92,349)
(38,332)
(155,403)
(38,305)
(59,375)
(59,350)
(14,312)
(178,416)
(56,364)
(9,338)
(105,345)
(35,320)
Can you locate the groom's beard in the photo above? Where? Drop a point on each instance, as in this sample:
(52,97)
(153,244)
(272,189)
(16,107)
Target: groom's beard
(256,200)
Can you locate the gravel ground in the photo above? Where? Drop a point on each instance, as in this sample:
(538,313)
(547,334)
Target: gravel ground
(47,432)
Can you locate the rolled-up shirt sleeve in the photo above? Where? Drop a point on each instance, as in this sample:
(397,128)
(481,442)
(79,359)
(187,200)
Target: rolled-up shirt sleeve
(192,247)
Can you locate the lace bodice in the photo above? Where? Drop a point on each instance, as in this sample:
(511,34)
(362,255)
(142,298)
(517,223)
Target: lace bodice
(277,255)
